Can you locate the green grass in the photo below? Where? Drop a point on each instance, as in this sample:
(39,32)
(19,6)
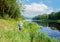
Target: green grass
(8,24)
(13,36)
(9,32)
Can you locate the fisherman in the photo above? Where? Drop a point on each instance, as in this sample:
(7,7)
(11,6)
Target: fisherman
(20,25)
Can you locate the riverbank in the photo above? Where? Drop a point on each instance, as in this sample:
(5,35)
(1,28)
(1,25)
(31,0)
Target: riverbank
(9,32)
(56,21)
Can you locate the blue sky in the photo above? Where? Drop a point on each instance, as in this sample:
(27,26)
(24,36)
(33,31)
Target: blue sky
(37,7)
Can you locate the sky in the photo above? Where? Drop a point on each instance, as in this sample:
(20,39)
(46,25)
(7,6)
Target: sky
(38,7)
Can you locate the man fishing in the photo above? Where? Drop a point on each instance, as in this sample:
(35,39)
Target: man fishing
(20,25)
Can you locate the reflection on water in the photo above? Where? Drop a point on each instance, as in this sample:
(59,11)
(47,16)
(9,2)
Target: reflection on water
(56,25)
(50,24)
(51,32)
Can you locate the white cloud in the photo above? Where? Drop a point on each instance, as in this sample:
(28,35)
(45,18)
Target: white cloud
(36,9)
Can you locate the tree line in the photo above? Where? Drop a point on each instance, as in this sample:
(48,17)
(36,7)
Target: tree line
(51,16)
(10,8)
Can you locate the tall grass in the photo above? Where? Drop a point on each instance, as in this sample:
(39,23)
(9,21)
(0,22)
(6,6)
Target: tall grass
(29,33)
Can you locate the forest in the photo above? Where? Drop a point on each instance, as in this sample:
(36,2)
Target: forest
(54,16)
(10,9)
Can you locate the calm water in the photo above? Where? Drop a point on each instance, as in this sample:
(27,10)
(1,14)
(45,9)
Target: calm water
(52,29)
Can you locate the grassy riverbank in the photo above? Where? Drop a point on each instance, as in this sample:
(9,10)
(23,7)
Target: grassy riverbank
(9,32)
(56,21)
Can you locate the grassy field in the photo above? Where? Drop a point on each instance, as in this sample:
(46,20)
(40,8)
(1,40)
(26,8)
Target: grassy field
(9,32)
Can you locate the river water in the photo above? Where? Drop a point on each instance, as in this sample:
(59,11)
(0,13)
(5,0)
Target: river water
(52,29)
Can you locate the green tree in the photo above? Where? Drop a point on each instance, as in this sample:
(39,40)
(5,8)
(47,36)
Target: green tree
(10,8)
(54,16)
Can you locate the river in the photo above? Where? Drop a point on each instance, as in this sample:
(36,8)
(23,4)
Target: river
(51,28)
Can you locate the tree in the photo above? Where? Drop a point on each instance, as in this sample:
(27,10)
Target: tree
(10,8)
(54,16)
(41,17)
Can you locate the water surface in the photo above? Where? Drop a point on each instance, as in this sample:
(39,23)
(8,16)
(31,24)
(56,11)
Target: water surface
(52,29)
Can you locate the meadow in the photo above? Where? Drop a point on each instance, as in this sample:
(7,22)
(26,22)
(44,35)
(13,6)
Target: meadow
(9,32)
